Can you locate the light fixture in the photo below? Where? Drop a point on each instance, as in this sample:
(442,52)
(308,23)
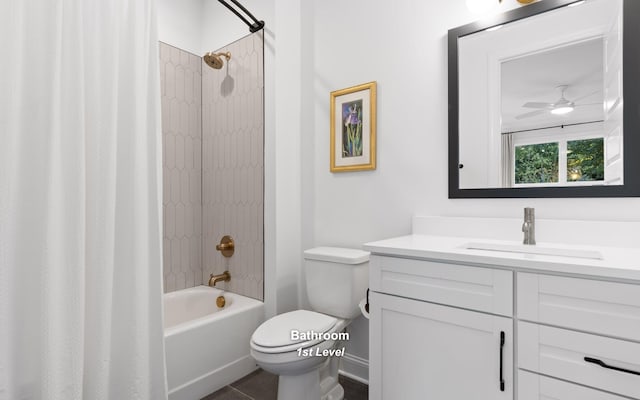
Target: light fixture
(562,110)
(562,106)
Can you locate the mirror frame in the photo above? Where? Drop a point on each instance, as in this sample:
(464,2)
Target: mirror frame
(631,112)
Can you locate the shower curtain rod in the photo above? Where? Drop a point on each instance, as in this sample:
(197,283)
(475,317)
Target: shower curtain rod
(556,126)
(253,27)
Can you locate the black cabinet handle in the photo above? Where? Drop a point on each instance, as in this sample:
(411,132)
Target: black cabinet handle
(501,348)
(604,365)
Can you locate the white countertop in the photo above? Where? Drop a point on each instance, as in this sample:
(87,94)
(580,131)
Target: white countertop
(618,263)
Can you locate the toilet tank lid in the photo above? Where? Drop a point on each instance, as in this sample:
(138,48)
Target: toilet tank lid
(337,254)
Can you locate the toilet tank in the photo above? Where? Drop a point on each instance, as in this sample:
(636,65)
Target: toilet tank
(337,279)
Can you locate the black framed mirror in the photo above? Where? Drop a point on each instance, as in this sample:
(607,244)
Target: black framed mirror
(544,102)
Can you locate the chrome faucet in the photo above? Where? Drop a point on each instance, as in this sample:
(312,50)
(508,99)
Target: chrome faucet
(529,226)
(223,277)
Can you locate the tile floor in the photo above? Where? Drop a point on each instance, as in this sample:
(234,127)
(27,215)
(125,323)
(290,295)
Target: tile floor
(262,385)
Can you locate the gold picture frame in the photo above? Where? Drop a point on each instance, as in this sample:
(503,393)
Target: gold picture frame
(353,128)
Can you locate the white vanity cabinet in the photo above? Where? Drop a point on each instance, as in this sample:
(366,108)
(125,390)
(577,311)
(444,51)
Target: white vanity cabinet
(540,387)
(436,331)
(436,328)
(584,331)
(430,351)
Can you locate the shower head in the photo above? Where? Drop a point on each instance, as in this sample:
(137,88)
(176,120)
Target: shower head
(214,60)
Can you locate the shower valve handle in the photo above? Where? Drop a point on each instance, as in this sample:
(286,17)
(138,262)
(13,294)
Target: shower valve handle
(226,246)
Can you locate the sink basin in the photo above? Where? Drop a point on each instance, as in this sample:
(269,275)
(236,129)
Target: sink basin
(535,249)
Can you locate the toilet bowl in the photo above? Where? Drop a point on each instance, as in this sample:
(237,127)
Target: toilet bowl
(304,347)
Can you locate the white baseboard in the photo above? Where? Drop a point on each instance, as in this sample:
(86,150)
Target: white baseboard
(355,367)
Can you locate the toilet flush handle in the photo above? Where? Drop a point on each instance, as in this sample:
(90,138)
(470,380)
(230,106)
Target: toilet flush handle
(366,306)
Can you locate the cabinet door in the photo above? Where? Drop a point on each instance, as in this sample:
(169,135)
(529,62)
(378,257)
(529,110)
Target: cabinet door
(421,350)
(539,387)
(606,308)
(592,360)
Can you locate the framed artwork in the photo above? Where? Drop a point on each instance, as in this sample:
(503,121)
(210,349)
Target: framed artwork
(353,128)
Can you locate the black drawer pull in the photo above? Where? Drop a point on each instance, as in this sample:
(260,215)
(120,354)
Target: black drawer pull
(501,348)
(604,365)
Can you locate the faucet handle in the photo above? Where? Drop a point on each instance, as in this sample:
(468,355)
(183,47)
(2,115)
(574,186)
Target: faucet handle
(226,246)
(529,213)
(529,226)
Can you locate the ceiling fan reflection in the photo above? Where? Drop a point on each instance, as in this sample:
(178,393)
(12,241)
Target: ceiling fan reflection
(561,107)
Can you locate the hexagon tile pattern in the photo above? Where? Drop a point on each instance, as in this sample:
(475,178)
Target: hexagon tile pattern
(181,83)
(213,166)
(233,165)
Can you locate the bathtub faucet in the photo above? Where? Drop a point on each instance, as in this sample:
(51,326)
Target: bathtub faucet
(224,277)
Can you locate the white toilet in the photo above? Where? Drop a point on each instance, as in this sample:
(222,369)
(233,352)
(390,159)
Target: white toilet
(337,279)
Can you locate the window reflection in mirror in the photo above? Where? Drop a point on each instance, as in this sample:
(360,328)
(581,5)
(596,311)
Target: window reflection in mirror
(565,162)
(540,100)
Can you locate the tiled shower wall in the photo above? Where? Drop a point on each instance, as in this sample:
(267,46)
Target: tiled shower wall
(213,168)
(233,166)
(181,83)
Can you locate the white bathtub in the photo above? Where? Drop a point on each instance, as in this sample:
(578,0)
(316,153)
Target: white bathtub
(206,347)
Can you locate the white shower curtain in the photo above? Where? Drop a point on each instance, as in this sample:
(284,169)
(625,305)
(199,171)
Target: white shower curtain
(80,213)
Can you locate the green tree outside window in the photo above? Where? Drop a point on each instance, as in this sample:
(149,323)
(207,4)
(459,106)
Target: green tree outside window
(585,160)
(536,163)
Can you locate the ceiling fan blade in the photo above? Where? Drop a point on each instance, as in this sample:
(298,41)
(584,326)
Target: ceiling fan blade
(530,114)
(535,104)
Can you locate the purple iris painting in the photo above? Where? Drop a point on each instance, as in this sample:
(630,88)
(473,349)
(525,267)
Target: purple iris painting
(352,129)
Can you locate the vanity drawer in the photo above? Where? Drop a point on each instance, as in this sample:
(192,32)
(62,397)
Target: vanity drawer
(606,308)
(474,288)
(539,387)
(561,353)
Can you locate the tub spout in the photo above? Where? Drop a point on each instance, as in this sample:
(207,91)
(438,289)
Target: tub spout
(224,277)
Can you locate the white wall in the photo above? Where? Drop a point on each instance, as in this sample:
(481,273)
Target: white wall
(401,45)
(288,159)
(179,23)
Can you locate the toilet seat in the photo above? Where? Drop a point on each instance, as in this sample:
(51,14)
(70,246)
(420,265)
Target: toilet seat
(275,335)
